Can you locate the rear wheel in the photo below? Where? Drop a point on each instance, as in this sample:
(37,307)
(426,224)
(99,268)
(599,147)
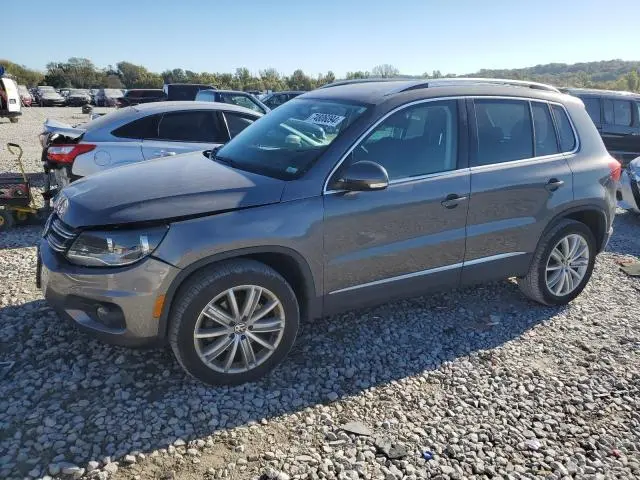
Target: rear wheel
(13,119)
(21,217)
(234,322)
(562,264)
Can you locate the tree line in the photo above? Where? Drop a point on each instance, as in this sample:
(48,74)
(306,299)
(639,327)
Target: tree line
(79,72)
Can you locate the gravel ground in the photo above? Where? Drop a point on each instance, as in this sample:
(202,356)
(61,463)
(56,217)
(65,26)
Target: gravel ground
(477,383)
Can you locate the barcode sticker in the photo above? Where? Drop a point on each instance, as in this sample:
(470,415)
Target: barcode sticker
(328,119)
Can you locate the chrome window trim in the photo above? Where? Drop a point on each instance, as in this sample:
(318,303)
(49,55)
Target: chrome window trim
(429,271)
(471,168)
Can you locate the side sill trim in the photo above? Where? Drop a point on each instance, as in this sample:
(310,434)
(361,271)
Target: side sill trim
(429,271)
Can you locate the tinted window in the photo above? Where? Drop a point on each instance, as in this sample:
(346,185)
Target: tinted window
(504,131)
(197,126)
(146,127)
(237,123)
(617,112)
(546,140)
(592,104)
(415,141)
(567,137)
(275,101)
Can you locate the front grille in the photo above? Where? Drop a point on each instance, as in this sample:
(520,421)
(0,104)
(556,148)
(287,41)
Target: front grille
(59,235)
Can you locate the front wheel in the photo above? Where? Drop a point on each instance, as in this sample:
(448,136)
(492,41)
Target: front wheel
(234,322)
(562,264)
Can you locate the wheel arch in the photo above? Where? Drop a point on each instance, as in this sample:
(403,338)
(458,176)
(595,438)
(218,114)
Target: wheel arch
(593,216)
(286,261)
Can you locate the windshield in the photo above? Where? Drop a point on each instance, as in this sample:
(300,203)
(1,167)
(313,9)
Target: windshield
(78,91)
(285,143)
(112,92)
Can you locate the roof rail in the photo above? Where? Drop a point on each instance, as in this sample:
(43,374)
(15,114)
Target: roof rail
(365,80)
(450,82)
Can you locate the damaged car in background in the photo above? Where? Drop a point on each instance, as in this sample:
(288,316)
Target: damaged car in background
(629,189)
(138,133)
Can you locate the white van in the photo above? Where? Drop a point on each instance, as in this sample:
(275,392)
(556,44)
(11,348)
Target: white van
(9,100)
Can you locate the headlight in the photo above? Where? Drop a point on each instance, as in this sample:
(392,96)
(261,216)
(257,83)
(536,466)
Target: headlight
(116,247)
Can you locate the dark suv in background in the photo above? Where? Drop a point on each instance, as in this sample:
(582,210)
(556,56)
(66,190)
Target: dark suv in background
(415,186)
(137,96)
(616,115)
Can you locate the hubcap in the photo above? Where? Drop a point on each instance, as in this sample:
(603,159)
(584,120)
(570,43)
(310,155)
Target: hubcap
(567,265)
(239,329)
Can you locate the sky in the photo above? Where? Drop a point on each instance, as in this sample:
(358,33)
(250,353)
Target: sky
(415,36)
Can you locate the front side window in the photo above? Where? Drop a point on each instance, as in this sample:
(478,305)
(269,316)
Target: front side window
(415,141)
(565,131)
(617,112)
(504,131)
(237,122)
(196,126)
(546,140)
(286,143)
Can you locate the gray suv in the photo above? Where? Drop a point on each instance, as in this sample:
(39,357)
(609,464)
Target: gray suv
(412,186)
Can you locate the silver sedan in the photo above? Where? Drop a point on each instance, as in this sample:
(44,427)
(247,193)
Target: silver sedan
(139,133)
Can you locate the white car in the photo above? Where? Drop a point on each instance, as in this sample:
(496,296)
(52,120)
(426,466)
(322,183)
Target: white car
(9,100)
(138,133)
(629,191)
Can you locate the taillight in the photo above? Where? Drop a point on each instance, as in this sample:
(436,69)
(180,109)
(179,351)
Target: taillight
(67,153)
(616,169)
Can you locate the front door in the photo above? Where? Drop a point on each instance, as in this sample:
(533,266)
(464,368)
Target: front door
(185,131)
(411,236)
(520,179)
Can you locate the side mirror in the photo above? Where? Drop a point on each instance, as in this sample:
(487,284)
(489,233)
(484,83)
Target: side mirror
(363,176)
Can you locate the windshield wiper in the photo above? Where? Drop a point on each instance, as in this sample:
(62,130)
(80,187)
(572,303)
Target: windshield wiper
(224,160)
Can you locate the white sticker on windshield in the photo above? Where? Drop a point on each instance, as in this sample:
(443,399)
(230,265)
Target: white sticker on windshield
(328,119)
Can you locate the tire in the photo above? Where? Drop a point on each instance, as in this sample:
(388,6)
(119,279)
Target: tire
(6,220)
(199,292)
(13,120)
(535,284)
(21,218)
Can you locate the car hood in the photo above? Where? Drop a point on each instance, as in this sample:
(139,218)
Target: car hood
(165,188)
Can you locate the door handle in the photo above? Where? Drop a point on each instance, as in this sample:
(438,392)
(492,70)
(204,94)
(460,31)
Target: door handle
(554,184)
(452,200)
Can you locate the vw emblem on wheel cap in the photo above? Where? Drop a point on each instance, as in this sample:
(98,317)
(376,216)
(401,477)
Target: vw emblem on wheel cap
(61,206)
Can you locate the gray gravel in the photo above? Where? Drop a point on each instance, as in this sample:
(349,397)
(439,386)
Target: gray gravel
(476,383)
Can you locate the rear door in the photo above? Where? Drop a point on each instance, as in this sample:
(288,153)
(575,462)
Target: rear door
(519,180)
(621,127)
(185,131)
(11,94)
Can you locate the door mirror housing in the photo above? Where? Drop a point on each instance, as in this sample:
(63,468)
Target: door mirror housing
(363,176)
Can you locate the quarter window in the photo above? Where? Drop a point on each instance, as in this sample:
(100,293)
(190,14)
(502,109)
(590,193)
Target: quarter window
(416,141)
(197,126)
(504,131)
(545,133)
(617,112)
(565,131)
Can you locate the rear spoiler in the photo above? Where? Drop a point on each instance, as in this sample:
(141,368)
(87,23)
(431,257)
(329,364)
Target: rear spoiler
(64,129)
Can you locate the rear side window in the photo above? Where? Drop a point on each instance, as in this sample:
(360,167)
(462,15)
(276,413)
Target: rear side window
(237,123)
(146,127)
(545,133)
(592,104)
(196,126)
(504,131)
(565,131)
(617,112)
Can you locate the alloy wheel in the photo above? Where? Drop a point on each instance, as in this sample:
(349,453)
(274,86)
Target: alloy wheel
(239,329)
(567,264)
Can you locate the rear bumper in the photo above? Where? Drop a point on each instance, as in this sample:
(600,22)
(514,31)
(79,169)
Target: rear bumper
(113,305)
(8,114)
